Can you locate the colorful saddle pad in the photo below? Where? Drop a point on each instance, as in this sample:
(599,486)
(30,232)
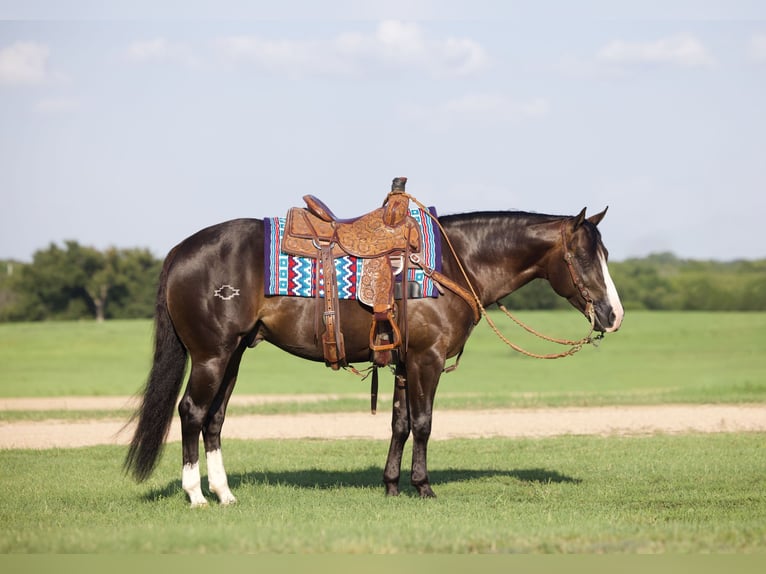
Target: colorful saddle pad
(292,276)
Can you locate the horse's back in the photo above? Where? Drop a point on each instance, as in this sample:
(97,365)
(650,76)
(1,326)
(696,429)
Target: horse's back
(239,234)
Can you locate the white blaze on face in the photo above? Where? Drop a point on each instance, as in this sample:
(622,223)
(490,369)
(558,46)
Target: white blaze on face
(611,295)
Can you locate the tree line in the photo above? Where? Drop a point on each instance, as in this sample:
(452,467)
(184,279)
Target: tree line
(78,282)
(665,282)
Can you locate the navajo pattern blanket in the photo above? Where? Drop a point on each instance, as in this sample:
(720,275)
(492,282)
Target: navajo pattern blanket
(293,276)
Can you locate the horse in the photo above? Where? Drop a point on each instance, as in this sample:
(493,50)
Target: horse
(211,307)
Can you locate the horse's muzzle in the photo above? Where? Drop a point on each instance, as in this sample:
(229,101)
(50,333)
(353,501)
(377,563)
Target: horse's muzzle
(605,318)
(608,319)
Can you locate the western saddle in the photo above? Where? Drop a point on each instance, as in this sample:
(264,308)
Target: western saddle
(384,238)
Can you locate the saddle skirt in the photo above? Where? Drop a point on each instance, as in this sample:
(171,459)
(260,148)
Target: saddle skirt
(296,276)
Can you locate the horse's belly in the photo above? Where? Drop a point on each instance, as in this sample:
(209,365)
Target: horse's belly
(295,325)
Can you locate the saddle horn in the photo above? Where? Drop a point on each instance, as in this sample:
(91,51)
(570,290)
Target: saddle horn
(397,186)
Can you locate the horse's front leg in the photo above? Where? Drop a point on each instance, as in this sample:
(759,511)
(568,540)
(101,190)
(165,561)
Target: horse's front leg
(400,431)
(423,377)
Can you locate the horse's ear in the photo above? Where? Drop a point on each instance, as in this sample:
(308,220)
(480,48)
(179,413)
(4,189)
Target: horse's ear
(596,219)
(579,218)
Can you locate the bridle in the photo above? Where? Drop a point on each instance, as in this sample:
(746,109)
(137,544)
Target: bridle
(578,282)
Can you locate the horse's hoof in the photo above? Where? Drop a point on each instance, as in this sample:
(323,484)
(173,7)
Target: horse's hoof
(228,501)
(225,497)
(424,490)
(392,490)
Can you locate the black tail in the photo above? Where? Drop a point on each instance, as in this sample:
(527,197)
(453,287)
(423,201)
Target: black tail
(165,379)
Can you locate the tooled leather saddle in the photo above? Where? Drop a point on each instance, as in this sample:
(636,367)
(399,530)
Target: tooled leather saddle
(383,238)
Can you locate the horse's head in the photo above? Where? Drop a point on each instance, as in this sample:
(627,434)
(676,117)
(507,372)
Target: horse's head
(578,271)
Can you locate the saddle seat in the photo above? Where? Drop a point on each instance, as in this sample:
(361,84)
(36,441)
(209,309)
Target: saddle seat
(385,234)
(391,217)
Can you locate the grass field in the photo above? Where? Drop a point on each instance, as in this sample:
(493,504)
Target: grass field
(574,494)
(651,494)
(655,358)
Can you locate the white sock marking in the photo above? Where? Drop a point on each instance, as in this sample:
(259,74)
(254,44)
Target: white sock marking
(216,477)
(190,480)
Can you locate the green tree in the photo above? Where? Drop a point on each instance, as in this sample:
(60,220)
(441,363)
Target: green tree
(77,282)
(52,286)
(754,294)
(133,276)
(9,270)
(641,284)
(537,294)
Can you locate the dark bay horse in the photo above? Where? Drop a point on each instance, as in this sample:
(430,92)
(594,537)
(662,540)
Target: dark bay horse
(211,307)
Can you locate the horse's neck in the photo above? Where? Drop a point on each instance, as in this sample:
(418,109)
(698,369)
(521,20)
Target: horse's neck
(502,252)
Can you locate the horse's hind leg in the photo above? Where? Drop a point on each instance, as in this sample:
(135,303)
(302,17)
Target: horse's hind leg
(194,408)
(211,432)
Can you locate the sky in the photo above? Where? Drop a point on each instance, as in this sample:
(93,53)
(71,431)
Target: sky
(136,124)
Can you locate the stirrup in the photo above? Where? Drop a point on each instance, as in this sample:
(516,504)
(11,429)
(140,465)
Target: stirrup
(397,342)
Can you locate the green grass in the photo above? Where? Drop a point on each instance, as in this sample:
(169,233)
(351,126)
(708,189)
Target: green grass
(657,357)
(60,358)
(664,494)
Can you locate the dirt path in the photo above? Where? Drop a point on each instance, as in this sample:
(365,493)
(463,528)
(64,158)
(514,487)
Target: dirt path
(622,420)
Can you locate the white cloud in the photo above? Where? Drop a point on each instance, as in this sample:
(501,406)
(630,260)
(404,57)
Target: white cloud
(160,50)
(679,50)
(758,47)
(394,44)
(463,56)
(23,63)
(407,45)
(477,109)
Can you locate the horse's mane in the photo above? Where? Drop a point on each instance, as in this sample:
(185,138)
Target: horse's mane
(500,230)
(479,216)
